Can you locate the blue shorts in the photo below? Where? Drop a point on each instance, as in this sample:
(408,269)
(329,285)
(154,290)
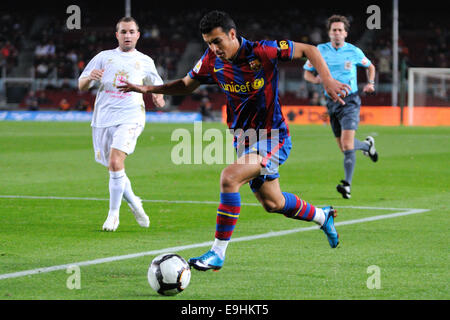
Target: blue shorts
(274,155)
(344,117)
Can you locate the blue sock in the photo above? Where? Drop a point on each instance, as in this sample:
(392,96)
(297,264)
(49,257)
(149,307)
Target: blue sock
(290,202)
(296,208)
(227,215)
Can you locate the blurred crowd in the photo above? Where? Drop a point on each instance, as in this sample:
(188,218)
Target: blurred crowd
(11,36)
(61,53)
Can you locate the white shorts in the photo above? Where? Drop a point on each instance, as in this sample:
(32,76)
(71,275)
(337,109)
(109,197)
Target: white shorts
(122,137)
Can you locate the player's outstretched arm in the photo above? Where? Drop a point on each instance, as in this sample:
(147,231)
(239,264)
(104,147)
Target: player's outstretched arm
(178,87)
(310,77)
(333,87)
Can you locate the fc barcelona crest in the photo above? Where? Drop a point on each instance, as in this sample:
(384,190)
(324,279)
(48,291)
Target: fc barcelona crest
(255,65)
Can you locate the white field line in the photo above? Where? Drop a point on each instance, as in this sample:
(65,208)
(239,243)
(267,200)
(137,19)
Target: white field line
(405,212)
(181,201)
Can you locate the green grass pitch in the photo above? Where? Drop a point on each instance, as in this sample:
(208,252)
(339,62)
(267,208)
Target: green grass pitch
(410,252)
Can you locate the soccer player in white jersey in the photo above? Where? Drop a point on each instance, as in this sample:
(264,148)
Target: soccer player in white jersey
(119,118)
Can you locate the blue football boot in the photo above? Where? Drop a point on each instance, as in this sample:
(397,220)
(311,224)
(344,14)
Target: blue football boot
(328,226)
(209,260)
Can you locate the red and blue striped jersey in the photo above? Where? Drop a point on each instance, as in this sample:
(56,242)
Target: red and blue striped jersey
(250,83)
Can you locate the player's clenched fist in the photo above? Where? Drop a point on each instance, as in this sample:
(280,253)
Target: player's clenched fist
(96,74)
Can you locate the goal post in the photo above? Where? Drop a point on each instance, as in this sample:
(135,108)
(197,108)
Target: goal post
(427,87)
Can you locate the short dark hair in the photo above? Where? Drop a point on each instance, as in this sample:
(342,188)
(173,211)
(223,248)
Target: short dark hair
(215,19)
(338,18)
(127,19)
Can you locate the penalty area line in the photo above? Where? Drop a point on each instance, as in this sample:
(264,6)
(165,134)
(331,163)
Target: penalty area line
(202,244)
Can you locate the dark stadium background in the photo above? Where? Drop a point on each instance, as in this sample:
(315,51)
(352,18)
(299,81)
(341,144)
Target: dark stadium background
(167,28)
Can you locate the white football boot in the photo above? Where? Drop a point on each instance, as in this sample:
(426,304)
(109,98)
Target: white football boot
(111,223)
(139,213)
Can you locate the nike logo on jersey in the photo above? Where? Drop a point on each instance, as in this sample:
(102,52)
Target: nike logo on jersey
(217,70)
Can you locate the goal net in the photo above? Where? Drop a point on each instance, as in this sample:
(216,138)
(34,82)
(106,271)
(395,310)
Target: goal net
(427,88)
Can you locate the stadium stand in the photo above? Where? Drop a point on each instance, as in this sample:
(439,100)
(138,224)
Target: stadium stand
(57,55)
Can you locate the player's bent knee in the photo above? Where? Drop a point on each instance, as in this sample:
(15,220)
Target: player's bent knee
(115,164)
(228,181)
(272,206)
(347,146)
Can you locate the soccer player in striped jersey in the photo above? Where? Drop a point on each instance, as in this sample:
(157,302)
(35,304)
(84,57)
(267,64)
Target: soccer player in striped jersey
(247,73)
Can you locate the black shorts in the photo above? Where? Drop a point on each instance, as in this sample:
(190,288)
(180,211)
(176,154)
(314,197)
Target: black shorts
(344,117)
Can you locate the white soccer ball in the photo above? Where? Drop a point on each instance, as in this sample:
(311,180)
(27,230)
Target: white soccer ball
(169,274)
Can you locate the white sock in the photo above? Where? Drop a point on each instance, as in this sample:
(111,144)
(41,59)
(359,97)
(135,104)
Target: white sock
(319,217)
(128,193)
(219,247)
(116,188)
